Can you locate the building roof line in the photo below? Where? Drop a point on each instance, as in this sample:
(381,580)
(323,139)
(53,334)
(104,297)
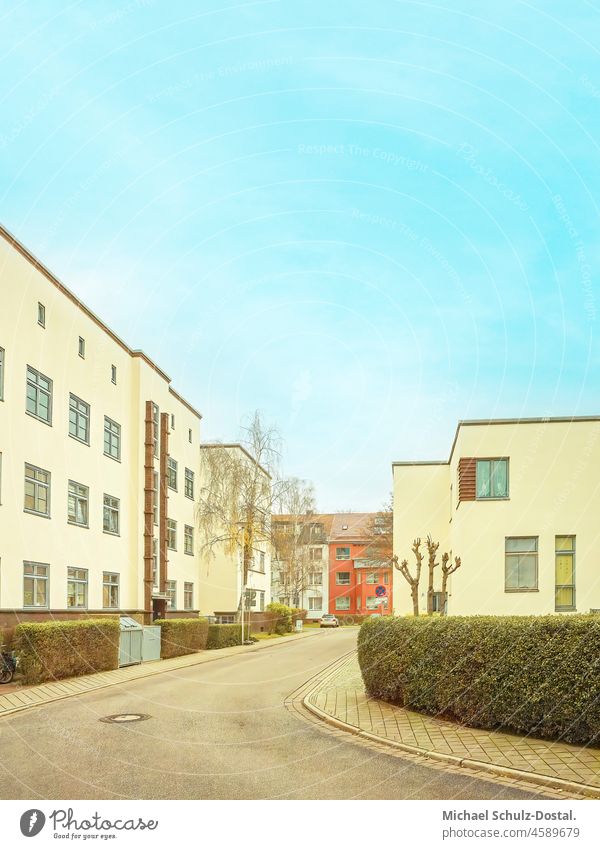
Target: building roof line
(236,445)
(52,278)
(487,422)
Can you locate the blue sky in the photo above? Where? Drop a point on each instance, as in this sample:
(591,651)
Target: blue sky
(366,220)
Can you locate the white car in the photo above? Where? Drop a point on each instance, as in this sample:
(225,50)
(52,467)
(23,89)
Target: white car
(328,620)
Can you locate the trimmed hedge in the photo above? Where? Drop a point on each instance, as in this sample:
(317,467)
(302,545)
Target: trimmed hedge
(527,674)
(182,636)
(49,651)
(353,618)
(222,636)
(283,623)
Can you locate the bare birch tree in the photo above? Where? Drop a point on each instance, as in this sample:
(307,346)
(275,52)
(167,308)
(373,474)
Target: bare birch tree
(290,535)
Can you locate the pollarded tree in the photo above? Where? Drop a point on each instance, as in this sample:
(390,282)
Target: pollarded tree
(432,548)
(412,580)
(446,572)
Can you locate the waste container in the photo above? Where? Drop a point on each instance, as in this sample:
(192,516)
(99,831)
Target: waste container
(299,624)
(130,642)
(151,643)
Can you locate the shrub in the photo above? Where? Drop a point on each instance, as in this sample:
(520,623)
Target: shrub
(352,618)
(527,674)
(298,613)
(283,623)
(182,636)
(52,650)
(222,636)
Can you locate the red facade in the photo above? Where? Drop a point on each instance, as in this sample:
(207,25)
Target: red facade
(356,586)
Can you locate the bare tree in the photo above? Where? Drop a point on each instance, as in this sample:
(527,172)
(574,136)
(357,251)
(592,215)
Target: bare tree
(379,537)
(432,548)
(446,572)
(290,536)
(412,581)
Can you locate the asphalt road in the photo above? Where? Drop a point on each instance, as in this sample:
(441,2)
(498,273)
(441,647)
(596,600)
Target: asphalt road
(217,731)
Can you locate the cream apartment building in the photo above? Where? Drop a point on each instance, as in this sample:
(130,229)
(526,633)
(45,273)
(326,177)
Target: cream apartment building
(99,462)
(519,501)
(221,564)
(306,584)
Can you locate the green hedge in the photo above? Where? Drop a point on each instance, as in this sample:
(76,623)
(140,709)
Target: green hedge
(352,618)
(528,674)
(182,636)
(283,624)
(52,650)
(222,636)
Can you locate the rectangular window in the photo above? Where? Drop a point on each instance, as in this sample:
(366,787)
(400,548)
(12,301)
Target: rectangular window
(492,478)
(110,519)
(41,315)
(342,602)
(190,435)
(112,439)
(188,596)
(342,554)
(565,573)
(172,595)
(172,473)
(372,578)
(172,534)
(261,562)
(113,374)
(373,603)
(189,483)
(521,564)
(188,539)
(261,600)
(81,348)
(77,588)
(316,553)
(315,579)
(315,603)
(386,577)
(438,604)
(110,590)
(35,584)
(342,578)
(78,504)
(37,490)
(1,374)
(172,421)
(154,562)
(79,419)
(155,496)
(39,395)
(155,427)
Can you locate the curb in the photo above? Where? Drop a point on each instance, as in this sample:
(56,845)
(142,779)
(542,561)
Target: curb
(495,769)
(194,660)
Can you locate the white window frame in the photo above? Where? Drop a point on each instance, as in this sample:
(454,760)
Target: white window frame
(339,548)
(515,554)
(312,602)
(491,461)
(36,578)
(37,485)
(188,595)
(171,595)
(346,602)
(109,584)
(73,577)
(111,507)
(341,583)
(78,494)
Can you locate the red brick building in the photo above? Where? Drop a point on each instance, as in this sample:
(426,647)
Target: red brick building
(357,584)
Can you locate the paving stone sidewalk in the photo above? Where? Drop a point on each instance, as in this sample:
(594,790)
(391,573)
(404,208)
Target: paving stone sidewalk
(341,696)
(34,696)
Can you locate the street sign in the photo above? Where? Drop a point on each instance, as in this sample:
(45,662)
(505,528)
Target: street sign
(380,591)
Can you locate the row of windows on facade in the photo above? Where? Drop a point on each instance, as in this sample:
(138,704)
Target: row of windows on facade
(36,579)
(341,602)
(521,568)
(38,498)
(41,313)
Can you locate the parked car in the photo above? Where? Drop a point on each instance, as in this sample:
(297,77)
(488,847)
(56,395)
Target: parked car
(328,620)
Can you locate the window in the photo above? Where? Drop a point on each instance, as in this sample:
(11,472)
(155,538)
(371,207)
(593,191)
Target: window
(172,421)
(77,588)
(225,619)
(81,348)
(190,434)
(155,496)
(154,562)
(110,590)
(565,573)
(315,603)
(172,534)
(188,539)
(113,374)
(342,577)
(37,490)
(261,562)
(521,564)
(316,553)
(188,596)
(261,600)
(1,374)
(39,395)
(371,578)
(35,584)
(155,427)
(172,473)
(342,554)
(189,483)
(110,520)
(342,603)
(79,419)
(172,595)
(372,602)
(386,577)
(112,439)
(78,504)
(315,579)
(41,315)
(491,479)
(438,604)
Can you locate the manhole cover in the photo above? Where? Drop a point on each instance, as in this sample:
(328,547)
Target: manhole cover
(126,717)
